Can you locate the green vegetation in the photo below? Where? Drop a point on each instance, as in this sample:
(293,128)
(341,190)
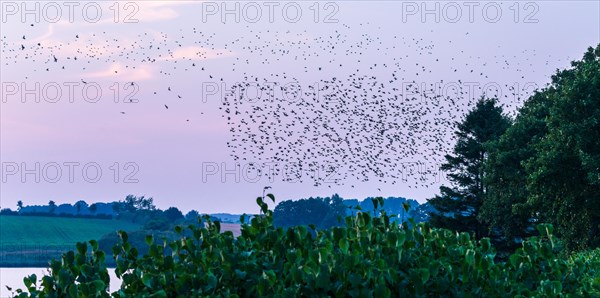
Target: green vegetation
(57,230)
(34,235)
(458,207)
(369,256)
(328,212)
(323,213)
(35,240)
(545,167)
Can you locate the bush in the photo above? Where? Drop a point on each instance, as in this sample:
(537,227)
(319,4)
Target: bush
(135,239)
(77,274)
(370,256)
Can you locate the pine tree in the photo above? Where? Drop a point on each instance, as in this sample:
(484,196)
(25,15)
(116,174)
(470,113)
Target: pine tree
(458,206)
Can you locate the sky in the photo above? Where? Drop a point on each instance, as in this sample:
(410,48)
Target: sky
(105,99)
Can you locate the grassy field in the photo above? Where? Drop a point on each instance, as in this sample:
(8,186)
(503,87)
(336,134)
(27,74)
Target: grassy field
(57,230)
(34,240)
(31,241)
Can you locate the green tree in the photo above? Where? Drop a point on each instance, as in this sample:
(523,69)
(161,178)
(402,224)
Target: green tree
(19,205)
(93,208)
(173,214)
(51,206)
(337,212)
(303,212)
(564,175)
(505,207)
(134,207)
(546,167)
(458,206)
(192,215)
(80,204)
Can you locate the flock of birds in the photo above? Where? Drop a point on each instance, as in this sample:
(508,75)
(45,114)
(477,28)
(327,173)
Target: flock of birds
(345,107)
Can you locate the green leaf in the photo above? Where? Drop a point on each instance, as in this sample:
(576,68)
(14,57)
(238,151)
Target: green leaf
(343,243)
(375,203)
(178,229)
(94,245)
(149,239)
(211,281)
(123,235)
(147,280)
(485,244)
(424,275)
(159,294)
(81,247)
(99,285)
(470,257)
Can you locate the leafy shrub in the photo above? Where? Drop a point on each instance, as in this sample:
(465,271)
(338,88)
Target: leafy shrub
(135,239)
(369,256)
(77,274)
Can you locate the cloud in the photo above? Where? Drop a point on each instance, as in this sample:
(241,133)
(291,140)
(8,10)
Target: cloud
(117,70)
(152,11)
(46,36)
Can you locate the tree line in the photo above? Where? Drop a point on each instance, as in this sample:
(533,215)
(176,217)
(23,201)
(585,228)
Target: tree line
(328,212)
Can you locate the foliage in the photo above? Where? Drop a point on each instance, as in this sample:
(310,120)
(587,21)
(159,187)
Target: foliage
(93,208)
(458,207)
(369,256)
(136,239)
(591,259)
(136,209)
(322,212)
(8,211)
(546,166)
(192,215)
(394,207)
(504,208)
(80,205)
(77,274)
(51,206)
(564,175)
(132,203)
(173,214)
(157,224)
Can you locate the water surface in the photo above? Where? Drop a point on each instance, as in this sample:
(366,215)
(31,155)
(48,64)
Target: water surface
(13,277)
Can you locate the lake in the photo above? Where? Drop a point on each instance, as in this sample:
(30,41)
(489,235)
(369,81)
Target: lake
(13,277)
